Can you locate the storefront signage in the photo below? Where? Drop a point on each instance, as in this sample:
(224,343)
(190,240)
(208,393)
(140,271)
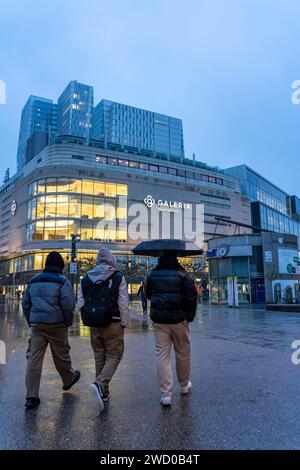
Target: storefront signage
(268,256)
(218,252)
(164,204)
(73,268)
(288,261)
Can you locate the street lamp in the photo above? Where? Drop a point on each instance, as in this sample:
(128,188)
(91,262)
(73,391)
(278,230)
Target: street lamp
(75,237)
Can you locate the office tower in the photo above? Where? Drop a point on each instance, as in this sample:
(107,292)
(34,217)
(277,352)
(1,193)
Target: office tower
(38,116)
(134,127)
(74,110)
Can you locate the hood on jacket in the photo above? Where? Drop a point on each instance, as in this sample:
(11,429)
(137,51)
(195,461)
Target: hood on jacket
(106,265)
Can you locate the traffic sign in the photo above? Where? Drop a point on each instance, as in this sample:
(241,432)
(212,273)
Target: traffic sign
(73,268)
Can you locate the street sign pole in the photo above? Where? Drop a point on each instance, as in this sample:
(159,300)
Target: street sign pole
(75,238)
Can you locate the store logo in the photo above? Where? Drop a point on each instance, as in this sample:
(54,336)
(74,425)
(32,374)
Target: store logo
(13,208)
(2,353)
(165,205)
(149,201)
(2,92)
(223,250)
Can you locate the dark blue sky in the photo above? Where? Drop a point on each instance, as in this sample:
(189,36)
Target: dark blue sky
(224,66)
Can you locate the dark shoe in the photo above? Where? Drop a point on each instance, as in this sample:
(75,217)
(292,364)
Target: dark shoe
(105,395)
(76,378)
(99,394)
(31,403)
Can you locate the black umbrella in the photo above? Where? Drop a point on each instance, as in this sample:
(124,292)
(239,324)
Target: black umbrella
(159,247)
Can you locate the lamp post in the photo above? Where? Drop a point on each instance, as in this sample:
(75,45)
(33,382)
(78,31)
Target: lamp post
(75,238)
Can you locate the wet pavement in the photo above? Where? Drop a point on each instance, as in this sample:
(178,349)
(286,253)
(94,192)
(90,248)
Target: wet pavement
(245,388)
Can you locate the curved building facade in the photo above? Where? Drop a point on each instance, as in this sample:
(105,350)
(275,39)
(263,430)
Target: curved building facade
(71,187)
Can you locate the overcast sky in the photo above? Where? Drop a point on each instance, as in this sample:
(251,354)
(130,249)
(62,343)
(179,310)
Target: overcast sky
(224,66)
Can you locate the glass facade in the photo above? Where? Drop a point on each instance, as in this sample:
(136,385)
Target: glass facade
(126,125)
(59,207)
(208,179)
(38,115)
(74,110)
(259,189)
(270,219)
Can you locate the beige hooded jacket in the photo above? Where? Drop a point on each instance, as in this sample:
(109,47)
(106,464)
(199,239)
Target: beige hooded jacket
(106,265)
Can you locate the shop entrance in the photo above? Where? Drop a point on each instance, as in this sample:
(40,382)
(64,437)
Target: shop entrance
(258,295)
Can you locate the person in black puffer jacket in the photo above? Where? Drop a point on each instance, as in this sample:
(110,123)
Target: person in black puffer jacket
(173,298)
(48,306)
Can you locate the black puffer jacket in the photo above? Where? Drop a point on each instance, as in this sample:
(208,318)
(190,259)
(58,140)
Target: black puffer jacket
(172,292)
(49,298)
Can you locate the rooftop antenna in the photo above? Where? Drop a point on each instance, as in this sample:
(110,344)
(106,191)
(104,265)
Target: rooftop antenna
(194,159)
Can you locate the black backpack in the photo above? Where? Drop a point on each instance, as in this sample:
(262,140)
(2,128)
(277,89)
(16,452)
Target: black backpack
(101,301)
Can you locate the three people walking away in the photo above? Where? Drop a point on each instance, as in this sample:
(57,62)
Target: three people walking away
(48,306)
(104,303)
(173,298)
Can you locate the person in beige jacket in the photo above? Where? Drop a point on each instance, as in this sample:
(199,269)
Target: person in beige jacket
(107,342)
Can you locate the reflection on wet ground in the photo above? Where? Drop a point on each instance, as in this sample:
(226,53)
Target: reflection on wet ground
(14,329)
(247,324)
(245,388)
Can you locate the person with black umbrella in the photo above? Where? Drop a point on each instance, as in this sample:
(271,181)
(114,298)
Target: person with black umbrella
(173,298)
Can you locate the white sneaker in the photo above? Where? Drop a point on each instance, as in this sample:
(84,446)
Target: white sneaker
(165,401)
(99,394)
(186,390)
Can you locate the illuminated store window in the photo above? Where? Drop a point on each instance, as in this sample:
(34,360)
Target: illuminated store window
(111,189)
(50,206)
(40,207)
(98,232)
(62,205)
(75,213)
(63,229)
(121,212)
(99,207)
(87,187)
(49,233)
(39,231)
(110,212)
(110,235)
(38,261)
(51,185)
(75,207)
(122,189)
(87,230)
(87,207)
(75,186)
(99,188)
(122,235)
(63,185)
(41,186)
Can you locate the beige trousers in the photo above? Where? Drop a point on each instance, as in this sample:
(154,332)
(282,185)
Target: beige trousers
(166,336)
(108,346)
(41,335)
